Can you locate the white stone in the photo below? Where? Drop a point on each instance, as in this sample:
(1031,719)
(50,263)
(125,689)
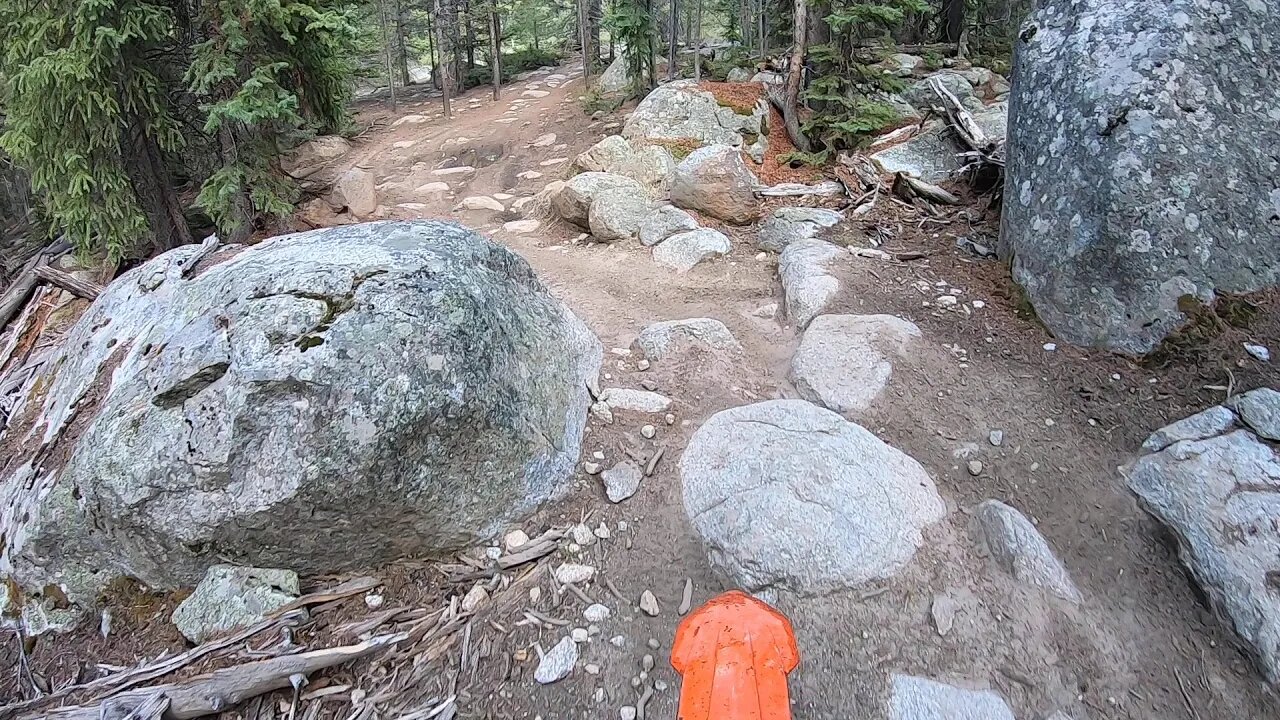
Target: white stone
(558,662)
(475,598)
(515,539)
(596,613)
(481,202)
(844,362)
(575,573)
(641,401)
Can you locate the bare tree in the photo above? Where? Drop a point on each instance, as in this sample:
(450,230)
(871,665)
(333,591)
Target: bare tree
(386,43)
(401,52)
(442,64)
(495,47)
(795,73)
(672,37)
(584,31)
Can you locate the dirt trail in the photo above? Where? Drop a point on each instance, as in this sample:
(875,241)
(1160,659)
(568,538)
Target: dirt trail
(1069,419)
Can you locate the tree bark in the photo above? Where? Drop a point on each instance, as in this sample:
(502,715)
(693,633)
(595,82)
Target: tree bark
(764,36)
(470,35)
(583,29)
(495,47)
(795,73)
(651,51)
(673,36)
(402,52)
(442,64)
(386,42)
(697,40)
(952,20)
(534,19)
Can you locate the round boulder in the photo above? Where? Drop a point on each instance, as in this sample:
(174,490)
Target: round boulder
(716,181)
(323,402)
(573,201)
(788,495)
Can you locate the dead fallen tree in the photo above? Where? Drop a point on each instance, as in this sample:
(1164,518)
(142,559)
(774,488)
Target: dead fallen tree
(984,156)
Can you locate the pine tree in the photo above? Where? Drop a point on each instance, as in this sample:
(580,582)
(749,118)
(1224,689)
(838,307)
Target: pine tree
(88,117)
(269,70)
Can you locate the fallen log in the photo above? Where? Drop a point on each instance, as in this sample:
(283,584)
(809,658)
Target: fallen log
(222,689)
(68,282)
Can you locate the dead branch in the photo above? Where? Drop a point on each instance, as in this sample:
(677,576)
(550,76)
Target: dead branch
(207,248)
(68,282)
(221,689)
(907,187)
(15,297)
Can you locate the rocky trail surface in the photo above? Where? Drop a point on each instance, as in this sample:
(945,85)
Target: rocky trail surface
(888,450)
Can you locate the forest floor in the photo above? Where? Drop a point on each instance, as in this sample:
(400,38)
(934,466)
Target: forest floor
(1142,644)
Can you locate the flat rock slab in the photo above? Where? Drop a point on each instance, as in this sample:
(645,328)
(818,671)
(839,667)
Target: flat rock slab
(1020,550)
(231,597)
(789,224)
(788,495)
(1220,498)
(844,361)
(807,285)
(558,662)
(916,698)
(683,251)
(1260,410)
(1201,426)
(663,338)
(622,481)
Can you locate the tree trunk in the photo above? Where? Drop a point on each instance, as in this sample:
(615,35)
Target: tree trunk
(583,30)
(650,50)
(764,37)
(795,73)
(952,20)
(405,80)
(386,43)
(431,53)
(697,40)
(154,189)
(495,47)
(595,13)
(470,35)
(672,38)
(534,19)
(442,64)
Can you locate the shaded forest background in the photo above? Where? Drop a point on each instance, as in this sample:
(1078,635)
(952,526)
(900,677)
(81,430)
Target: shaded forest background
(128,127)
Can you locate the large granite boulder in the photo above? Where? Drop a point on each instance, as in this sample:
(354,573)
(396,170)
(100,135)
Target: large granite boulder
(716,181)
(573,200)
(680,111)
(788,495)
(1139,171)
(1218,493)
(649,165)
(323,402)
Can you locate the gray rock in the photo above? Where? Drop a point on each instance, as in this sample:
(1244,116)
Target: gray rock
(643,401)
(649,606)
(738,74)
(1201,426)
(663,338)
(334,334)
(314,154)
(844,361)
(903,65)
(616,77)
(617,214)
(682,251)
(996,438)
(1260,410)
(680,111)
(786,494)
(596,613)
(922,96)
(664,222)
(788,224)
(1220,497)
(1134,179)
(649,165)
(572,201)
(1019,548)
(558,662)
(355,190)
(915,698)
(575,573)
(768,78)
(929,155)
(622,481)
(231,597)
(715,181)
(807,286)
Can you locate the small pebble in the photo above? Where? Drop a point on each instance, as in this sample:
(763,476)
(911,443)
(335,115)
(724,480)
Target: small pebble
(515,539)
(599,455)
(357,696)
(1258,351)
(649,604)
(646,663)
(493,552)
(978,304)
(627,712)
(583,535)
(1115,376)
(599,696)
(648,432)
(579,635)
(975,467)
(596,613)
(635,681)
(535,594)
(1050,347)
(602,532)
(642,364)
(670,419)
(660,685)
(617,641)
(520,655)
(591,468)
(654,644)
(996,437)
(373,601)
(592,669)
